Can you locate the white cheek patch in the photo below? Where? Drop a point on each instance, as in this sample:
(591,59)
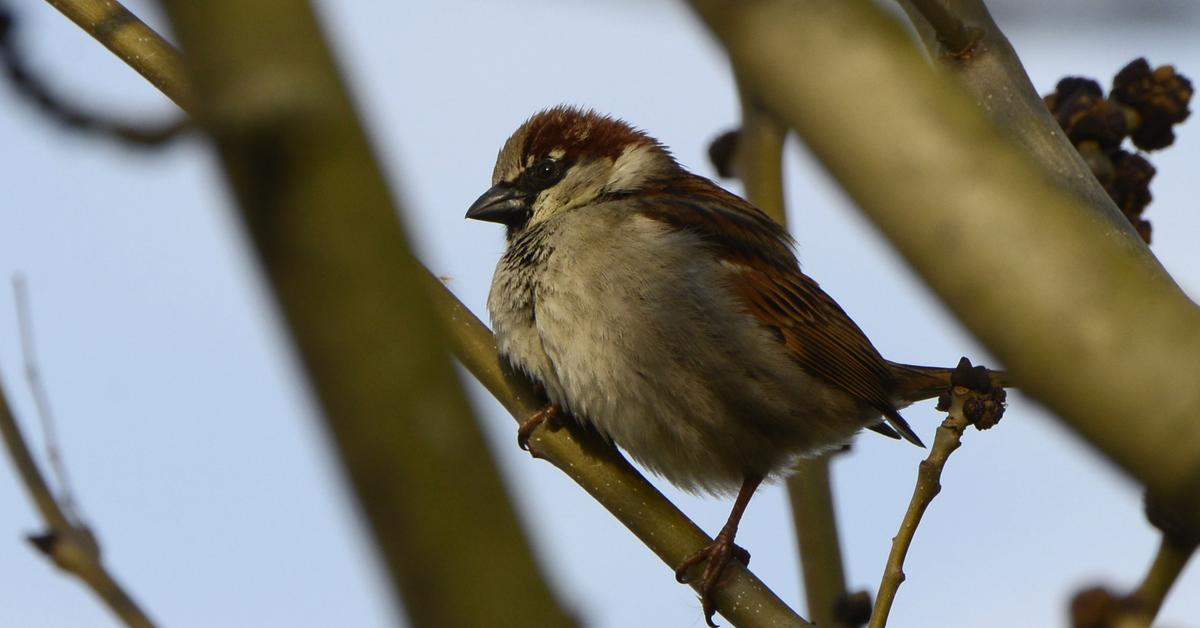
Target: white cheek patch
(636,164)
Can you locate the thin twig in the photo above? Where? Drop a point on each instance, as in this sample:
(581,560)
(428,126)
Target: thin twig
(1168,564)
(41,399)
(71,545)
(929,475)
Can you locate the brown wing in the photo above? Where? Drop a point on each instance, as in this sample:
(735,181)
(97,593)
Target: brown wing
(816,332)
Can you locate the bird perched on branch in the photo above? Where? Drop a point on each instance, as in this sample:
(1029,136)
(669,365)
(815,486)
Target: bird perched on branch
(672,316)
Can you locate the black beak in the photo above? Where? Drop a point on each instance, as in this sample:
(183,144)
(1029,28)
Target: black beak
(504,204)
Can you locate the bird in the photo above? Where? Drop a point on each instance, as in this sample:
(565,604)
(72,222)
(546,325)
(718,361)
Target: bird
(671,316)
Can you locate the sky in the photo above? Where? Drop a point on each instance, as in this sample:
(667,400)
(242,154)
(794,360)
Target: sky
(192,441)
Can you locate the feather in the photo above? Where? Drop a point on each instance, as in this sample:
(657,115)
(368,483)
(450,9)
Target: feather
(816,333)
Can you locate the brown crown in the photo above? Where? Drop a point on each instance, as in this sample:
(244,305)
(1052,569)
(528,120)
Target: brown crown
(580,132)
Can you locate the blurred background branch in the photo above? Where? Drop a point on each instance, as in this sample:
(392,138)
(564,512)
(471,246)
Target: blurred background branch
(326,232)
(67,540)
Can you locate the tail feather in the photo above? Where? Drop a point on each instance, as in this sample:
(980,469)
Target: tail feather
(903,427)
(916,383)
(913,383)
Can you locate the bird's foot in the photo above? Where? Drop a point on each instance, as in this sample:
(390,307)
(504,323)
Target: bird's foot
(716,557)
(549,415)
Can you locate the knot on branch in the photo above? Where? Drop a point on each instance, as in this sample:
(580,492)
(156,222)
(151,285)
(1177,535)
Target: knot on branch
(72,550)
(1167,519)
(1160,98)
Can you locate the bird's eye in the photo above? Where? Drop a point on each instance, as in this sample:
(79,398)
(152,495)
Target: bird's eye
(545,173)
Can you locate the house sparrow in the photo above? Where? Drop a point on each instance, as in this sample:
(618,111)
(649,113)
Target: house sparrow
(672,316)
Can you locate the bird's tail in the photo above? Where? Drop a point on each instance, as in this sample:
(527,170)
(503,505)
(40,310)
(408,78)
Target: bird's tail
(914,383)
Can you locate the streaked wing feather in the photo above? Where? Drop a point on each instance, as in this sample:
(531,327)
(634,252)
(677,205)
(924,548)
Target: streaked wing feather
(816,332)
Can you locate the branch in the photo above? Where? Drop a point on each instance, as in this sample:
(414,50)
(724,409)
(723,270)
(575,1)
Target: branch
(948,30)
(1179,543)
(966,44)
(70,544)
(1168,564)
(328,236)
(759,164)
(135,43)
(929,475)
(941,182)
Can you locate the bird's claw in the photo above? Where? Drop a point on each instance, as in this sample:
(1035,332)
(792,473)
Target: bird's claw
(549,415)
(716,557)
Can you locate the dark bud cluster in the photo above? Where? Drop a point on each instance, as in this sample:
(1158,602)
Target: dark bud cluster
(722,151)
(1086,115)
(1098,607)
(853,609)
(985,403)
(1160,98)
(1144,104)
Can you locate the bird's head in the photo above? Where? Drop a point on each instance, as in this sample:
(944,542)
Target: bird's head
(563,158)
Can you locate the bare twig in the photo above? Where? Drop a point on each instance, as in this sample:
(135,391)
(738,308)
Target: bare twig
(1168,564)
(929,474)
(68,542)
(41,399)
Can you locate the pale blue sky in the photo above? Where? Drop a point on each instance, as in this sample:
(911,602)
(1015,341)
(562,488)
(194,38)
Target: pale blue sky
(192,441)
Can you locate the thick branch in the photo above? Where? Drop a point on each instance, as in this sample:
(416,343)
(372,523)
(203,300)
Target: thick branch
(942,183)
(327,234)
(968,45)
